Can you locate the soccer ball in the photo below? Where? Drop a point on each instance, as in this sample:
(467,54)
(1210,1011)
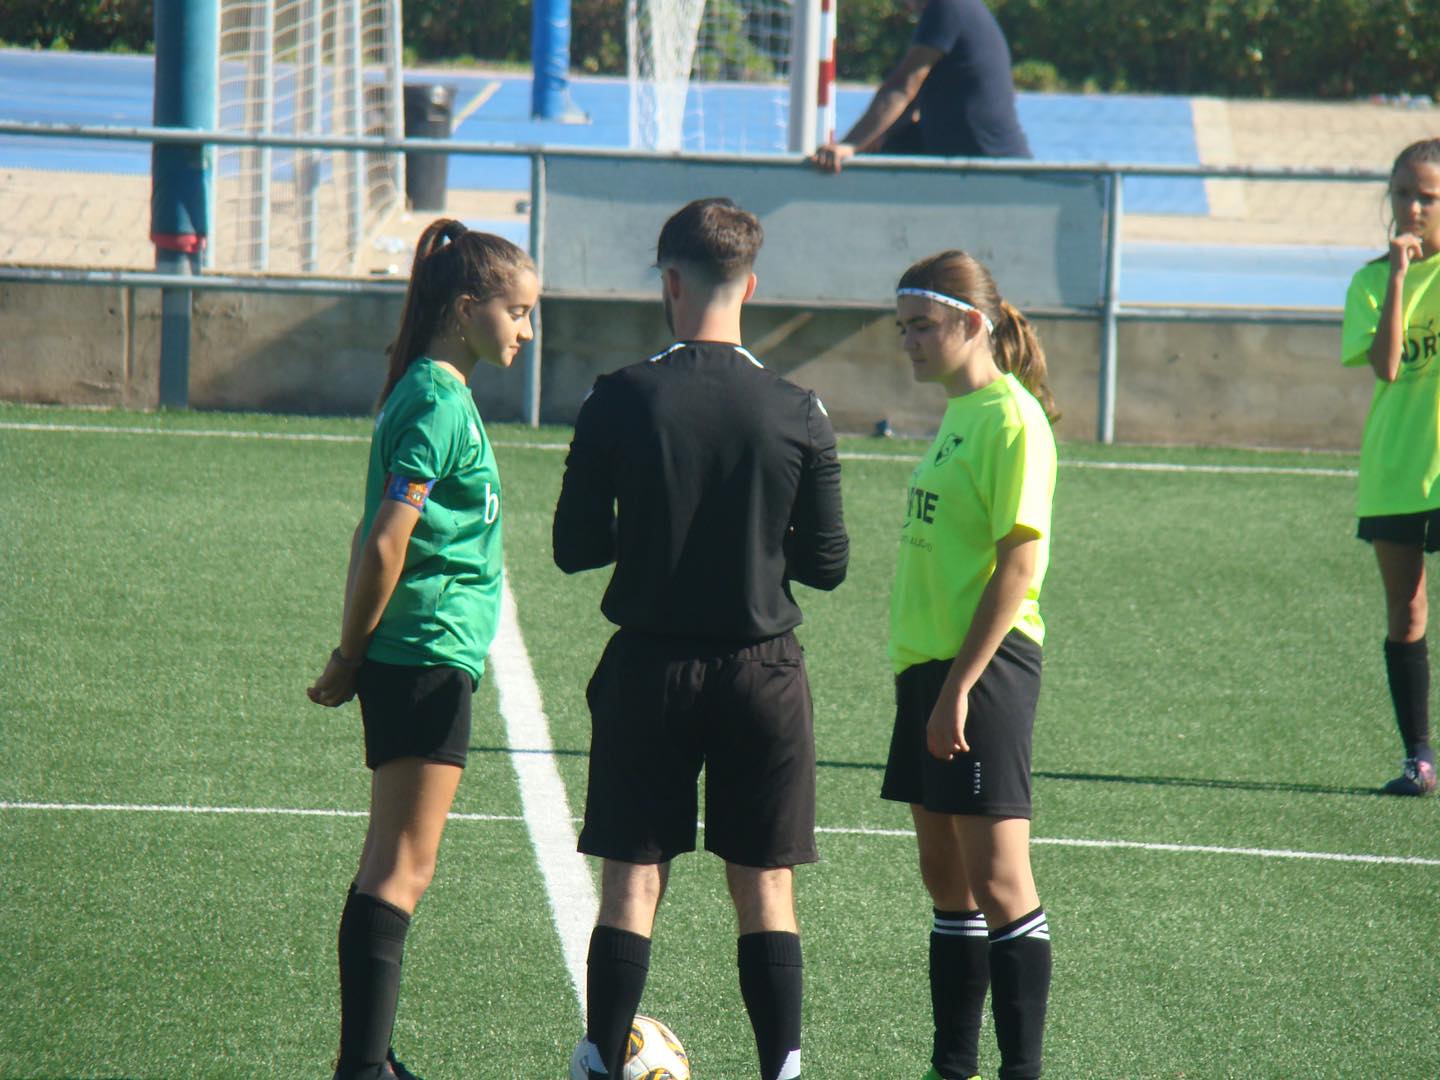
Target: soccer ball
(652,1052)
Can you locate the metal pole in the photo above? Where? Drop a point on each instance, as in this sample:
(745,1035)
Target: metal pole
(175,320)
(804,68)
(354,71)
(537,252)
(1114,208)
(307,121)
(825,96)
(260,109)
(187,44)
(395,91)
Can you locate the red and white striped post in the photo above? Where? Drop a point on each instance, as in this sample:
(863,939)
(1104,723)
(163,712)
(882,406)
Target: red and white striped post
(812,75)
(825,92)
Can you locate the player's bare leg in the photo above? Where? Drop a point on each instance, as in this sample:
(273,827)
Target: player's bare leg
(959,946)
(409,803)
(771,966)
(1407,662)
(997,861)
(619,961)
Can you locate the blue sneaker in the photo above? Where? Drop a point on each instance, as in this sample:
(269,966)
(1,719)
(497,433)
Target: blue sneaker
(1417,777)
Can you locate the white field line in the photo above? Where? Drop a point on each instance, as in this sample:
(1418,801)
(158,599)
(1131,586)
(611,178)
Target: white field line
(1180,849)
(854,455)
(256,811)
(573,904)
(486,93)
(1039,841)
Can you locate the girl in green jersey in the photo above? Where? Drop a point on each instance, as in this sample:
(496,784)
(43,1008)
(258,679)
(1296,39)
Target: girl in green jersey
(965,637)
(1392,322)
(422,597)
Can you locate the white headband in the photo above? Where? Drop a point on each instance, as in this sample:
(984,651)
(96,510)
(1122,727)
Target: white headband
(949,301)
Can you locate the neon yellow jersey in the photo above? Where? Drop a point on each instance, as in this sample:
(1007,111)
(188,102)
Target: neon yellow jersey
(1400,452)
(991,468)
(446,605)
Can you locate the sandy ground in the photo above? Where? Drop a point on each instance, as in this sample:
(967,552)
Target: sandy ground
(102,221)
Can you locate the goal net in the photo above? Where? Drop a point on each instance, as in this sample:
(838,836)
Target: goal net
(710,75)
(306,67)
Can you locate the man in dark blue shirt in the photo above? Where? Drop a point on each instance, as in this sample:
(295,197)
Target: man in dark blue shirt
(952,94)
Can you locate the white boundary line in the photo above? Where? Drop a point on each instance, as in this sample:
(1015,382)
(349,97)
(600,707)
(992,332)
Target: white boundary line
(1039,841)
(258,811)
(1179,849)
(573,904)
(854,455)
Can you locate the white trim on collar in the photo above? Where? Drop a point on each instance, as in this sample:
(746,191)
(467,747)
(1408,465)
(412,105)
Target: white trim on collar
(681,344)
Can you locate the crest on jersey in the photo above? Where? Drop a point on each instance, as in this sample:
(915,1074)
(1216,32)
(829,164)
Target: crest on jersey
(947,448)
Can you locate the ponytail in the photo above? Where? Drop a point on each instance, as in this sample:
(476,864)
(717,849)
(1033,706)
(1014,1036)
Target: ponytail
(1018,350)
(450,261)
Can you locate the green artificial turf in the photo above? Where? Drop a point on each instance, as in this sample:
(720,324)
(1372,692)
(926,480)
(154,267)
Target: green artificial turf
(170,583)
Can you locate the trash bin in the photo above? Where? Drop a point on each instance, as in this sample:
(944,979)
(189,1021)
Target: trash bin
(427,116)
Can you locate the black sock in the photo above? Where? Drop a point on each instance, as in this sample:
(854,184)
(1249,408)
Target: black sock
(772,984)
(371,947)
(1408,666)
(1019,991)
(614,982)
(959,977)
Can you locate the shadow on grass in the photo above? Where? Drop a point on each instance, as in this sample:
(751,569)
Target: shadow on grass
(1155,781)
(1043,774)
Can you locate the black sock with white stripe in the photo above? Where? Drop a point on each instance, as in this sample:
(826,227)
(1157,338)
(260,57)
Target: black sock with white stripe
(1019,992)
(772,986)
(959,977)
(617,966)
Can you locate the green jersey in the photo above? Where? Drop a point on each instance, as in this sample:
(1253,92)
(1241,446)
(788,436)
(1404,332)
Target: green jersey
(429,450)
(990,469)
(1400,451)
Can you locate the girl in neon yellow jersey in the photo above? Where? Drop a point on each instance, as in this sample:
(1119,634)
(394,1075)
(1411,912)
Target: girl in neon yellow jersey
(1392,323)
(422,600)
(965,638)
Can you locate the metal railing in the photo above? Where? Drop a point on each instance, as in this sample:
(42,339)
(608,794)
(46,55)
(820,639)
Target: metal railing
(1109,311)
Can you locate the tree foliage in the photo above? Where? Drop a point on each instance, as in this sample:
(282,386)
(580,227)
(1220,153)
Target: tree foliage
(1233,48)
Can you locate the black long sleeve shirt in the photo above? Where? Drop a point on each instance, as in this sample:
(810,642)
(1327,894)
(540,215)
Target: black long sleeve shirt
(711,483)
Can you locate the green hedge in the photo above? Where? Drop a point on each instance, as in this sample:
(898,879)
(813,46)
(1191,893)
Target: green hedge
(1232,48)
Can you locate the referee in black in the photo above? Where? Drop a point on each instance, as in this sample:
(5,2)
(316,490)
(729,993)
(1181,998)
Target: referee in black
(711,483)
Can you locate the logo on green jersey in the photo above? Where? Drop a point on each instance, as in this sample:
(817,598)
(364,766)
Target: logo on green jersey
(947,448)
(1420,349)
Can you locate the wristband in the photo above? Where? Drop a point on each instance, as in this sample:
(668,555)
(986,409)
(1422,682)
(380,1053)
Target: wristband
(350,665)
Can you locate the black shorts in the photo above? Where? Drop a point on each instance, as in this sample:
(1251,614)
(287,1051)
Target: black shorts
(993,779)
(661,708)
(1422,529)
(421,712)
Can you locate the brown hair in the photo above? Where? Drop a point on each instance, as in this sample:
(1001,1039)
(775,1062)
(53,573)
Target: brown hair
(450,262)
(712,236)
(1014,342)
(1424,152)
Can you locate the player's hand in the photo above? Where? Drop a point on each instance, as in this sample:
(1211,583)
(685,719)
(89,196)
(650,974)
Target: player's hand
(336,684)
(1403,249)
(831,156)
(945,732)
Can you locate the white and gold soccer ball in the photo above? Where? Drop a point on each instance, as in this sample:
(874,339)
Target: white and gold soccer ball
(652,1052)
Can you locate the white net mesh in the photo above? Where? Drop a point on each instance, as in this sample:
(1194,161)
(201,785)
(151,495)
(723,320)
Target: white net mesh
(709,75)
(306,67)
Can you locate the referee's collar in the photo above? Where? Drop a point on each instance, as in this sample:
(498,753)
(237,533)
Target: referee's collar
(746,353)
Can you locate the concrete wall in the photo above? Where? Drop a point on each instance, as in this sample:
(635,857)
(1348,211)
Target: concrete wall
(1207,382)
